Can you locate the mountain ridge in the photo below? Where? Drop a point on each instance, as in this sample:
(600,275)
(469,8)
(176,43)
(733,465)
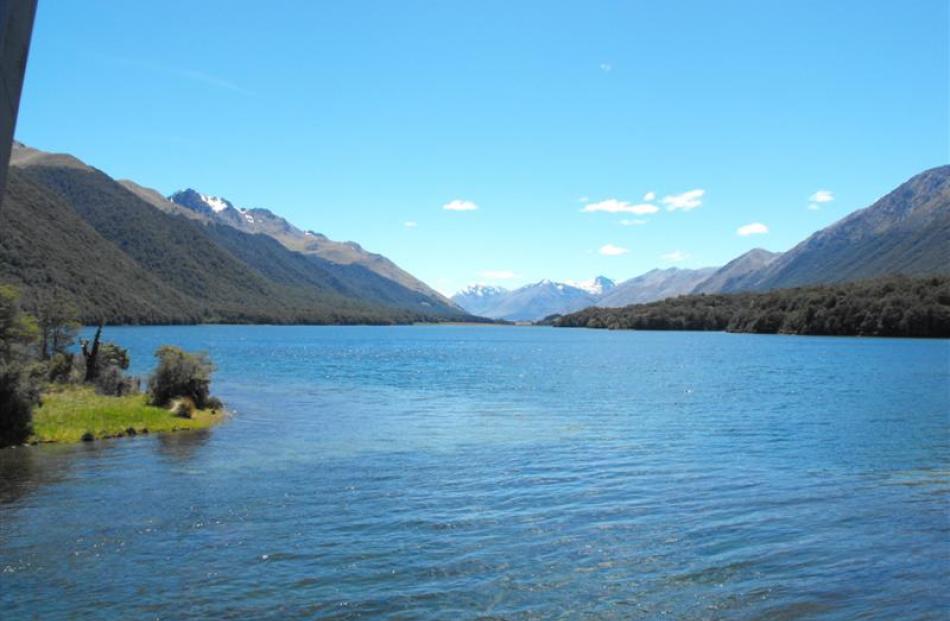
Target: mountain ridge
(208,271)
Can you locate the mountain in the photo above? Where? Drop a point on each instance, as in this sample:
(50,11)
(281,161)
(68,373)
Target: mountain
(739,274)
(47,249)
(479,299)
(164,266)
(595,286)
(655,285)
(531,302)
(905,232)
(265,222)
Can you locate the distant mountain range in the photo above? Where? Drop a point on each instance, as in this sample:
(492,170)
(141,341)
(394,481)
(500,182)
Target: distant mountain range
(542,299)
(531,302)
(123,253)
(907,232)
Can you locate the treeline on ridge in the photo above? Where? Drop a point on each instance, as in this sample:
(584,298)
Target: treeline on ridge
(894,306)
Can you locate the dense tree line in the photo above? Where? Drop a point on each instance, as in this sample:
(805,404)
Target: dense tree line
(896,306)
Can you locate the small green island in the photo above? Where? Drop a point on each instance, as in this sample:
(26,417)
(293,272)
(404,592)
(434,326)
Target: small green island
(51,393)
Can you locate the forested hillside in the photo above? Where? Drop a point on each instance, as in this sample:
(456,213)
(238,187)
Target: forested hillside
(73,232)
(897,306)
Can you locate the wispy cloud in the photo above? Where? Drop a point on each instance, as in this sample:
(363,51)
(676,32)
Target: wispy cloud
(756,228)
(410,224)
(583,199)
(497,274)
(212,80)
(649,196)
(609,250)
(612,205)
(685,201)
(606,67)
(184,73)
(460,205)
(675,257)
(633,222)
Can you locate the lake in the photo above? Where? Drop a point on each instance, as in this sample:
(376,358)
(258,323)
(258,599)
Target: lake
(437,472)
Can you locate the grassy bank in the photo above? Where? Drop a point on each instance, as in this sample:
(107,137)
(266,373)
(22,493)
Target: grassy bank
(68,414)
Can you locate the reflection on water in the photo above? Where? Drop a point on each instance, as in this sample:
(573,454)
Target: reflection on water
(182,446)
(23,470)
(503,473)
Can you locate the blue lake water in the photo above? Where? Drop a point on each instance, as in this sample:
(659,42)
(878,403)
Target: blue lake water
(453,472)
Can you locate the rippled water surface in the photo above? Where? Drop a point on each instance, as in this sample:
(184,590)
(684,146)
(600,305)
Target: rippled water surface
(516,473)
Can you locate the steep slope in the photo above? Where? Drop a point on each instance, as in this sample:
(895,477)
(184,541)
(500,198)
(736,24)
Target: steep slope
(905,232)
(46,247)
(738,274)
(155,199)
(263,221)
(228,274)
(655,285)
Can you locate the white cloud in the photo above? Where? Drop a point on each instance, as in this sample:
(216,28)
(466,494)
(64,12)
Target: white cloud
(609,250)
(634,222)
(649,196)
(814,206)
(612,205)
(606,67)
(685,201)
(410,224)
(822,196)
(756,228)
(460,205)
(583,199)
(675,257)
(497,274)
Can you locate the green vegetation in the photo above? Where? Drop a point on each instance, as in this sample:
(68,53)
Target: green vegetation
(896,306)
(72,230)
(75,413)
(181,374)
(48,394)
(19,372)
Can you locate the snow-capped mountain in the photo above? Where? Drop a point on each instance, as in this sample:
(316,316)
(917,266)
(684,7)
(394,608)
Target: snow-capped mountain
(479,299)
(595,286)
(531,302)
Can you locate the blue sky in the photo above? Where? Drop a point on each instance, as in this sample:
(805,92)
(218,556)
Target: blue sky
(356,118)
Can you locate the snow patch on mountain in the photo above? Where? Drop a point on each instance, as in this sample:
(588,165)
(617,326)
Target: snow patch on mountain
(216,203)
(595,286)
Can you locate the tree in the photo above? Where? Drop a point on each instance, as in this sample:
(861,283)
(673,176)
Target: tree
(58,323)
(19,374)
(181,374)
(90,354)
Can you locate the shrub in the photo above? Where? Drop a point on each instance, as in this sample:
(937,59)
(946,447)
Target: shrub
(180,374)
(60,368)
(112,382)
(20,376)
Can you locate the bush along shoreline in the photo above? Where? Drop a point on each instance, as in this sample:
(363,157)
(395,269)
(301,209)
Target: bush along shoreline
(48,393)
(895,307)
